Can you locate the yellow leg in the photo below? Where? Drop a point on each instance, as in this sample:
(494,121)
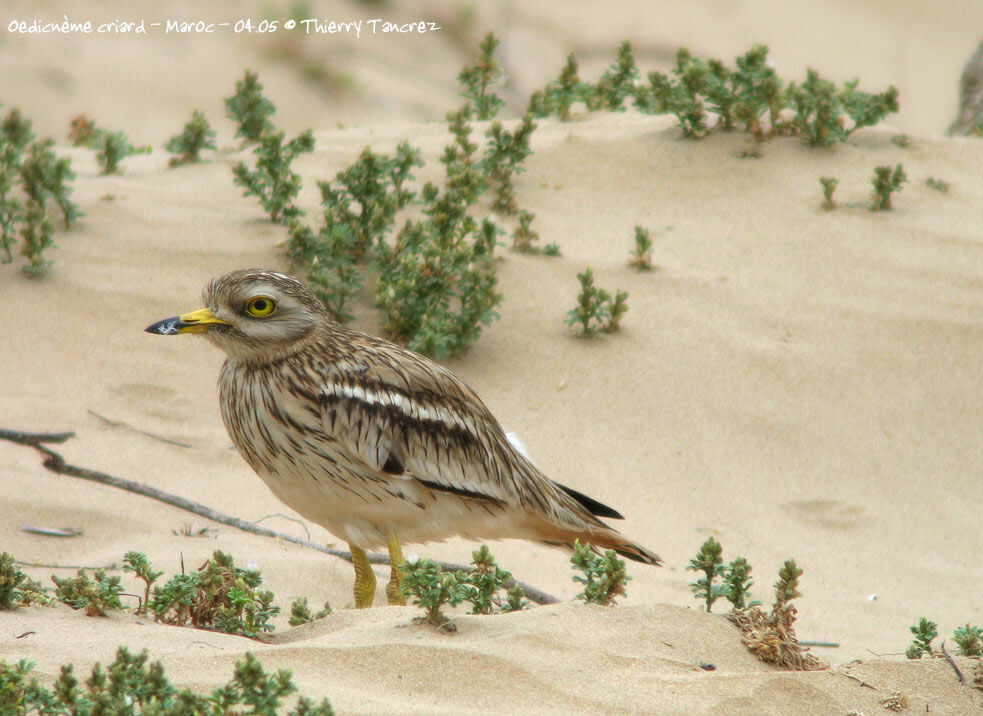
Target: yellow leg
(364,578)
(393,592)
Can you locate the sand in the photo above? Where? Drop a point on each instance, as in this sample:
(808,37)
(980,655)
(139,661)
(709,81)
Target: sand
(796,383)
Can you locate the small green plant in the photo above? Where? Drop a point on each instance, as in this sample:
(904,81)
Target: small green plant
(129,685)
(787,586)
(16,588)
(503,159)
(271,180)
(515,600)
(197,135)
(771,635)
(604,578)
(683,95)
(925,631)
(735,577)
(737,584)
(709,560)
(969,639)
(138,563)
(11,579)
(113,148)
(462,178)
(44,176)
(15,129)
(11,208)
(820,108)
(524,236)
(885,183)
(328,259)
(369,193)
(360,207)
(485,581)
(937,184)
(219,595)
(82,130)
(562,93)
(300,612)
(757,92)
(829,186)
(249,109)
(641,255)
(430,588)
(96,596)
(478,79)
(616,84)
(437,281)
(35,233)
(596,310)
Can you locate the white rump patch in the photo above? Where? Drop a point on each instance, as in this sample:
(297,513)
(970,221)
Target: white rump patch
(517,444)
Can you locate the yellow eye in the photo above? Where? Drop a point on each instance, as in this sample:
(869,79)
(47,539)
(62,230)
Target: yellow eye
(260,306)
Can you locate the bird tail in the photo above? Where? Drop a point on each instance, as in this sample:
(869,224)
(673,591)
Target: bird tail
(625,547)
(601,539)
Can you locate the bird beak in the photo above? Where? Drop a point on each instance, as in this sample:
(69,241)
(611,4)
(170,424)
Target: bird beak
(199,321)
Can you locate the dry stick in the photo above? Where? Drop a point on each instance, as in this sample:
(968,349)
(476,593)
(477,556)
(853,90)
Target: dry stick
(860,681)
(952,663)
(121,424)
(55,463)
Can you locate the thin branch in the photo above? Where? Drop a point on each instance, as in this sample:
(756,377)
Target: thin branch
(34,439)
(860,681)
(121,424)
(55,463)
(952,663)
(49,565)
(303,525)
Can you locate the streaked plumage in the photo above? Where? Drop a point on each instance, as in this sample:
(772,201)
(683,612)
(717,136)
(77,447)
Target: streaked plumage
(375,443)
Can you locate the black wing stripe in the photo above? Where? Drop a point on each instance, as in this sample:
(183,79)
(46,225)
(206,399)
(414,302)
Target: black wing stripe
(458,491)
(598,509)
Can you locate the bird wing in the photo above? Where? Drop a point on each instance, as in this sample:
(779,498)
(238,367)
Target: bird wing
(401,415)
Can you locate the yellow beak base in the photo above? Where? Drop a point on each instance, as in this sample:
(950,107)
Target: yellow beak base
(199,321)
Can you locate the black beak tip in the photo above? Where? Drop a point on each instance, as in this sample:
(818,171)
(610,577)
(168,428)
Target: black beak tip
(167,327)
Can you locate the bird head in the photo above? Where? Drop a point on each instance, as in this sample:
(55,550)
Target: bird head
(254,315)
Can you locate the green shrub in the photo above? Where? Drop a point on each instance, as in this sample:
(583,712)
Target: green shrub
(479,78)
(925,631)
(430,587)
(197,135)
(249,109)
(220,595)
(97,596)
(271,180)
(616,84)
(35,231)
(641,255)
(604,578)
(596,309)
(437,282)
(113,148)
(300,612)
(885,183)
(16,588)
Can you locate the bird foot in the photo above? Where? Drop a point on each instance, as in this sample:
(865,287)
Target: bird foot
(364,578)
